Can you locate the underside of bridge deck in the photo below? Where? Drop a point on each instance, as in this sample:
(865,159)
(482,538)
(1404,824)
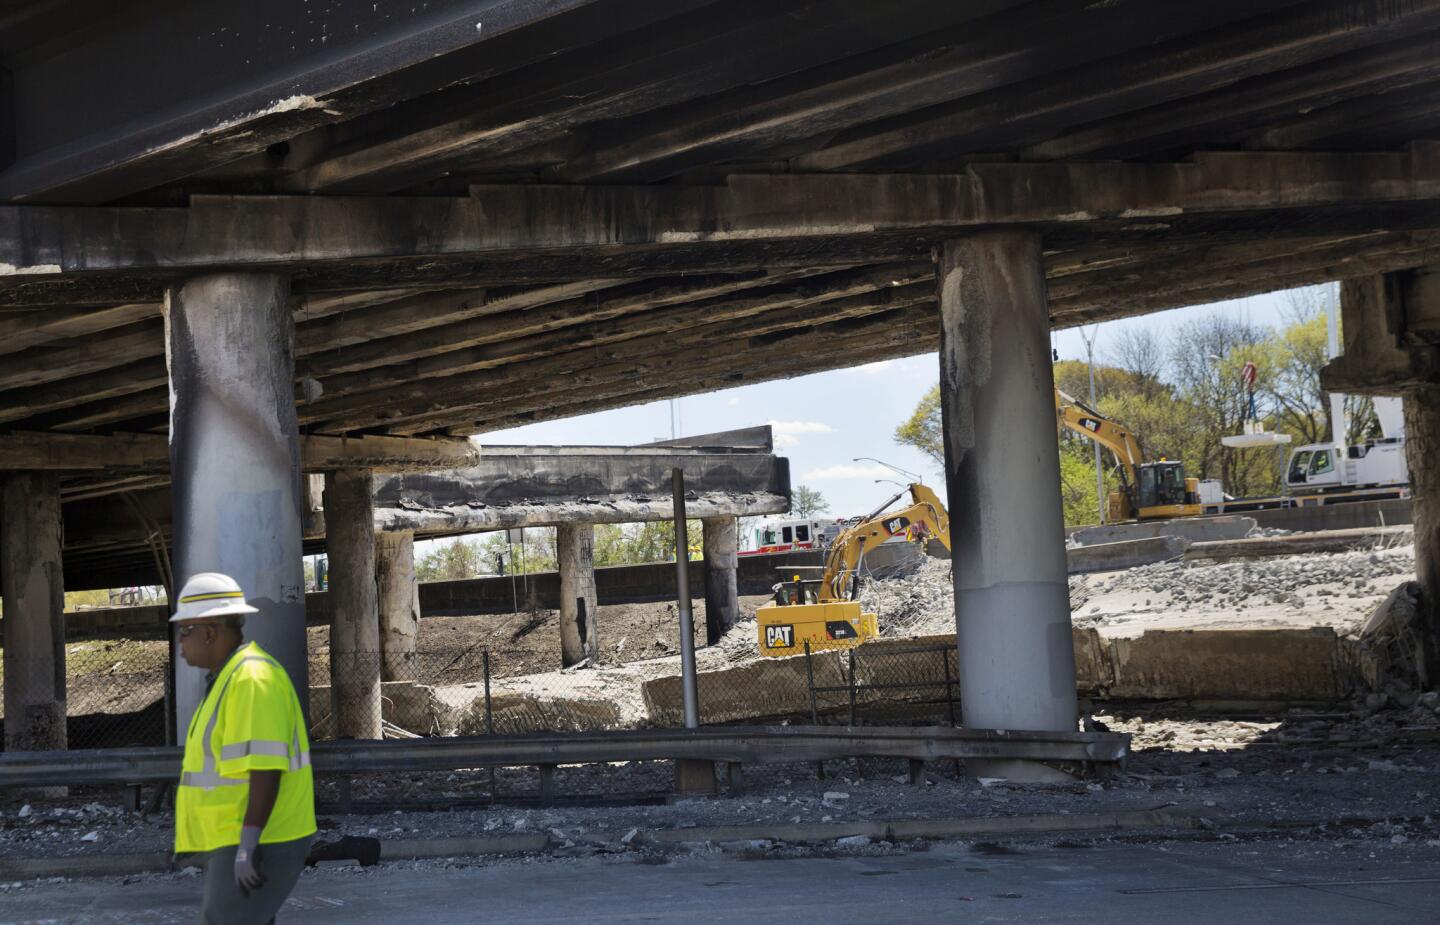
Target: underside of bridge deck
(485,213)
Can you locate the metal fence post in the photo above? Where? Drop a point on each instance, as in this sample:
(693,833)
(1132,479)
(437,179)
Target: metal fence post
(688,683)
(489,713)
(949,684)
(810,680)
(851,684)
(814,713)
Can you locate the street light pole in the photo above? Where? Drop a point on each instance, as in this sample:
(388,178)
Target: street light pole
(1099,472)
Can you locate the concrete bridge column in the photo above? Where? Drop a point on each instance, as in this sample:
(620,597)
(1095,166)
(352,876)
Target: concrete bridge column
(399,604)
(575,548)
(722,595)
(1012,609)
(34,605)
(1391,327)
(354,603)
(1422,454)
(235,458)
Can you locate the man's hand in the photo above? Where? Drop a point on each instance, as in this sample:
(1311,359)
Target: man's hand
(247,861)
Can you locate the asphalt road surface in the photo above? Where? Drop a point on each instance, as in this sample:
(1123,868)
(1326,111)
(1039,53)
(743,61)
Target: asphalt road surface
(1268,882)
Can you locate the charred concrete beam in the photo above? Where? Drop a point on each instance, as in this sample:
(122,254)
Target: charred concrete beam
(207,81)
(539,479)
(372,238)
(614,510)
(150,453)
(1391,326)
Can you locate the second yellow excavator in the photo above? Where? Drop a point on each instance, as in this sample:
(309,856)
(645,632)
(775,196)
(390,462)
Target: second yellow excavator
(825,612)
(1149,490)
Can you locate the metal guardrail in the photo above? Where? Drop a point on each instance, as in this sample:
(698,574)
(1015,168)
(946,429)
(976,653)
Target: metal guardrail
(738,744)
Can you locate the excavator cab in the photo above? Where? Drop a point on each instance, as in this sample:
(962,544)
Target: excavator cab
(1162,484)
(1164,491)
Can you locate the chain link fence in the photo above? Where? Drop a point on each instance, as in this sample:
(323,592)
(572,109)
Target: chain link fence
(115,692)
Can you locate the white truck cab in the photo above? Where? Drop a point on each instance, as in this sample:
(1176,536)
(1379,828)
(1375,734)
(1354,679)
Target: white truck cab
(1327,467)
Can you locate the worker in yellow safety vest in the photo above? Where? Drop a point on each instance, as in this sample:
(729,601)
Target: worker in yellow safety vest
(246,799)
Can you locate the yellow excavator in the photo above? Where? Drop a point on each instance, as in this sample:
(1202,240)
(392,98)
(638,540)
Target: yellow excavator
(825,612)
(1149,490)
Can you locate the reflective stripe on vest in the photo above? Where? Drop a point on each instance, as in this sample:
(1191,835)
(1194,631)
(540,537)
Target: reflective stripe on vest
(208,777)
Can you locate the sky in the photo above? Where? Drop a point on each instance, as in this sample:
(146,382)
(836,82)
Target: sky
(827,422)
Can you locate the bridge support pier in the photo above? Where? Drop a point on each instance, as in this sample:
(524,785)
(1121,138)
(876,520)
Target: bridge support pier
(354,605)
(235,459)
(575,548)
(1422,453)
(722,563)
(1391,326)
(399,604)
(1012,609)
(34,607)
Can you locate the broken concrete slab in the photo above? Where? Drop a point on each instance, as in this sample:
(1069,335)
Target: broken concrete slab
(413,707)
(1192,530)
(778,688)
(1268,665)
(1110,557)
(1297,543)
(513,713)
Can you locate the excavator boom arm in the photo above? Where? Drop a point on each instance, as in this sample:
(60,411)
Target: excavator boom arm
(1116,438)
(925,518)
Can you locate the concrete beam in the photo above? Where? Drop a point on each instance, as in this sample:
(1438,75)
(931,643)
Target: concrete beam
(34,608)
(209,84)
(150,453)
(354,607)
(537,478)
(612,510)
(1391,328)
(575,549)
(1012,609)
(374,235)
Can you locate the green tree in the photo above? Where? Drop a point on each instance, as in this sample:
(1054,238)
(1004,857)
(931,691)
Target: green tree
(452,561)
(807,502)
(922,429)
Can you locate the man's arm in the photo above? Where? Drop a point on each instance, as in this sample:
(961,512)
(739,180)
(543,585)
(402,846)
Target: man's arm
(264,788)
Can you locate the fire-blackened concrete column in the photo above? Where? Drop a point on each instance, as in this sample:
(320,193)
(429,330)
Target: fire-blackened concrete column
(575,548)
(235,459)
(1422,454)
(722,595)
(1012,609)
(399,603)
(34,605)
(354,603)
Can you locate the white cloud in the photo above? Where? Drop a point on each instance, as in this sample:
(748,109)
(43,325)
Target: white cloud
(800,427)
(786,441)
(872,369)
(846,471)
(733,402)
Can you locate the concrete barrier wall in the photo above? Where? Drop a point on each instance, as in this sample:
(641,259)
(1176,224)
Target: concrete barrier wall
(1216,665)
(1337,516)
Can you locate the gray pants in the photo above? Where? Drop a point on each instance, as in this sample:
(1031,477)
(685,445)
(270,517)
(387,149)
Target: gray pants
(224,904)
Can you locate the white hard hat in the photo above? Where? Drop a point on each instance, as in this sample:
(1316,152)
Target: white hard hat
(210,594)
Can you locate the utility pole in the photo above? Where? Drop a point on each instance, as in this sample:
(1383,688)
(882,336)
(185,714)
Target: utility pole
(1099,472)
